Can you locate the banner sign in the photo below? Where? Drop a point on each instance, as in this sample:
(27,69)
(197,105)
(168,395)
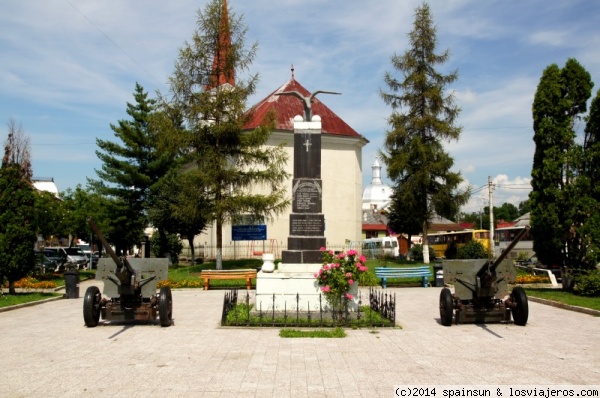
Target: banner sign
(249,232)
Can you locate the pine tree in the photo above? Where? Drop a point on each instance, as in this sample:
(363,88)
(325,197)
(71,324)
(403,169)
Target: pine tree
(17,203)
(559,102)
(230,163)
(129,169)
(423,117)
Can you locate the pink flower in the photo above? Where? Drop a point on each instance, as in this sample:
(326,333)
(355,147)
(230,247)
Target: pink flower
(352,252)
(349,296)
(331,252)
(336,265)
(358,265)
(348,274)
(325,288)
(350,282)
(316,275)
(322,249)
(341,256)
(362,259)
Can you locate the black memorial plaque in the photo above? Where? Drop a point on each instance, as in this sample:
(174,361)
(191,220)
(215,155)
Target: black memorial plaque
(307,154)
(307,196)
(307,224)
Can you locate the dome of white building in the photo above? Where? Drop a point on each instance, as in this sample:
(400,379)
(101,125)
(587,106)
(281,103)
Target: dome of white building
(376,195)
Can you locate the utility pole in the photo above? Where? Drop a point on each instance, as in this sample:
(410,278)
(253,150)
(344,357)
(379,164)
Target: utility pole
(491,195)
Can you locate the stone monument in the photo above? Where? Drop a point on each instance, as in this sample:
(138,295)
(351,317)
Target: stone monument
(294,283)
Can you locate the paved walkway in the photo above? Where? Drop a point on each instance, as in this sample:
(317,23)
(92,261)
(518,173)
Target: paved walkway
(46,351)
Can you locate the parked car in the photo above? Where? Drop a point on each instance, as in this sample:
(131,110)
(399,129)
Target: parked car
(71,255)
(95,257)
(44,263)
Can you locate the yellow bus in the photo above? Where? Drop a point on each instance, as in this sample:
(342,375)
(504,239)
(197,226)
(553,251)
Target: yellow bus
(439,241)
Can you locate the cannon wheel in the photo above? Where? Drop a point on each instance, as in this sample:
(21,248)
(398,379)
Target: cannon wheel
(446,307)
(91,306)
(521,310)
(165,306)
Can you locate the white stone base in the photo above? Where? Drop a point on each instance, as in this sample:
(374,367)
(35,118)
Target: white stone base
(286,285)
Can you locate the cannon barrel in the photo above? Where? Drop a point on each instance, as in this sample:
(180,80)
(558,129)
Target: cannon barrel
(120,262)
(489,266)
(511,246)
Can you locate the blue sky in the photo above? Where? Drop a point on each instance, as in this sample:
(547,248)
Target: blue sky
(68,68)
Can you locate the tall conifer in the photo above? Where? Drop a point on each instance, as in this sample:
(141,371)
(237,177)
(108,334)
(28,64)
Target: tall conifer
(423,117)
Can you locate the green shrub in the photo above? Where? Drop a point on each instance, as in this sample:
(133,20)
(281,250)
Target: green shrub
(171,245)
(416,253)
(472,249)
(368,279)
(588,284)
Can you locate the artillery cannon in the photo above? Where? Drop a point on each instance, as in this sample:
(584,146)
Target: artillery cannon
(129,289)
(481,291)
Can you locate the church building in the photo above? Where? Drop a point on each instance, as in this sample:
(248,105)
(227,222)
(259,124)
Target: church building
(341,172)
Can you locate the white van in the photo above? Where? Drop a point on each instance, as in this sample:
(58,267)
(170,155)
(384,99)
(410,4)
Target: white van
(386,246)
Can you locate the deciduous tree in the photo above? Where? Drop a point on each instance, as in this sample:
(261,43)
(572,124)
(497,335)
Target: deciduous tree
(17,201)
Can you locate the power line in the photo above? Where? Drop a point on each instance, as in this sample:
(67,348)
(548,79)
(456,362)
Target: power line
(112,41)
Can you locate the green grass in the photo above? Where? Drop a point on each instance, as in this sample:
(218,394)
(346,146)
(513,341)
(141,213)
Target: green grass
(7,300)
(242,315)
(189,276)
(323,333)
(565,298)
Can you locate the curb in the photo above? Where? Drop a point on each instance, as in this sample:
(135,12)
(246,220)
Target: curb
(563,306)
(30,304)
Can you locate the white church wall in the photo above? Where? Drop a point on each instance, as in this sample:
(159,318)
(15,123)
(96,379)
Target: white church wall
(341,172)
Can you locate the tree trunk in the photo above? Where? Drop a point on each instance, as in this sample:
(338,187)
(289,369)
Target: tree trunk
(219,244)
(191,243)
(11,288)
(425,244)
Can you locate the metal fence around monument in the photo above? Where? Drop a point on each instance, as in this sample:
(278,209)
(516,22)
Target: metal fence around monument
(381,312)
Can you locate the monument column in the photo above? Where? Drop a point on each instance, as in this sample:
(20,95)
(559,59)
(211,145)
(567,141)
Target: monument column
(293,284)
(307,222)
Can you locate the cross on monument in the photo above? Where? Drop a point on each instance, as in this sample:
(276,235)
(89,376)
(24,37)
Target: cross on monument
(307,144)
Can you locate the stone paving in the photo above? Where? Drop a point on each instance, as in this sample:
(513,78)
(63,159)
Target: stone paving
(46,351)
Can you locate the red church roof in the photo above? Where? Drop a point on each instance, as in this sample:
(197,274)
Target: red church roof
(286,107)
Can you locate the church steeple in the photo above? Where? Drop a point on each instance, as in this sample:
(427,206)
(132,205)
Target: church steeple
(223,71)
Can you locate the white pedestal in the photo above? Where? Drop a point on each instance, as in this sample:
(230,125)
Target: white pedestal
(291,287)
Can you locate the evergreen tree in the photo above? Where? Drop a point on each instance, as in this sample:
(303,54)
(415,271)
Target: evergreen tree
(585,233)
(129,169)
(559,102)
(17,202)
(423,117)
(232,163)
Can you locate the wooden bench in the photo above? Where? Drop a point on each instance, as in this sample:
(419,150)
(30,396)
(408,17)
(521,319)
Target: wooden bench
(423,272)
(247,274)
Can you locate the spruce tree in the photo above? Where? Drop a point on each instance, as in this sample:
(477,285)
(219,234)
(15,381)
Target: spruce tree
(129,168)
(423,117)
(231,164)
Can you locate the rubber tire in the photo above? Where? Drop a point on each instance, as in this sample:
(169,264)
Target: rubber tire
(91,306)
(446,307)
(165,306)
(521,311)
